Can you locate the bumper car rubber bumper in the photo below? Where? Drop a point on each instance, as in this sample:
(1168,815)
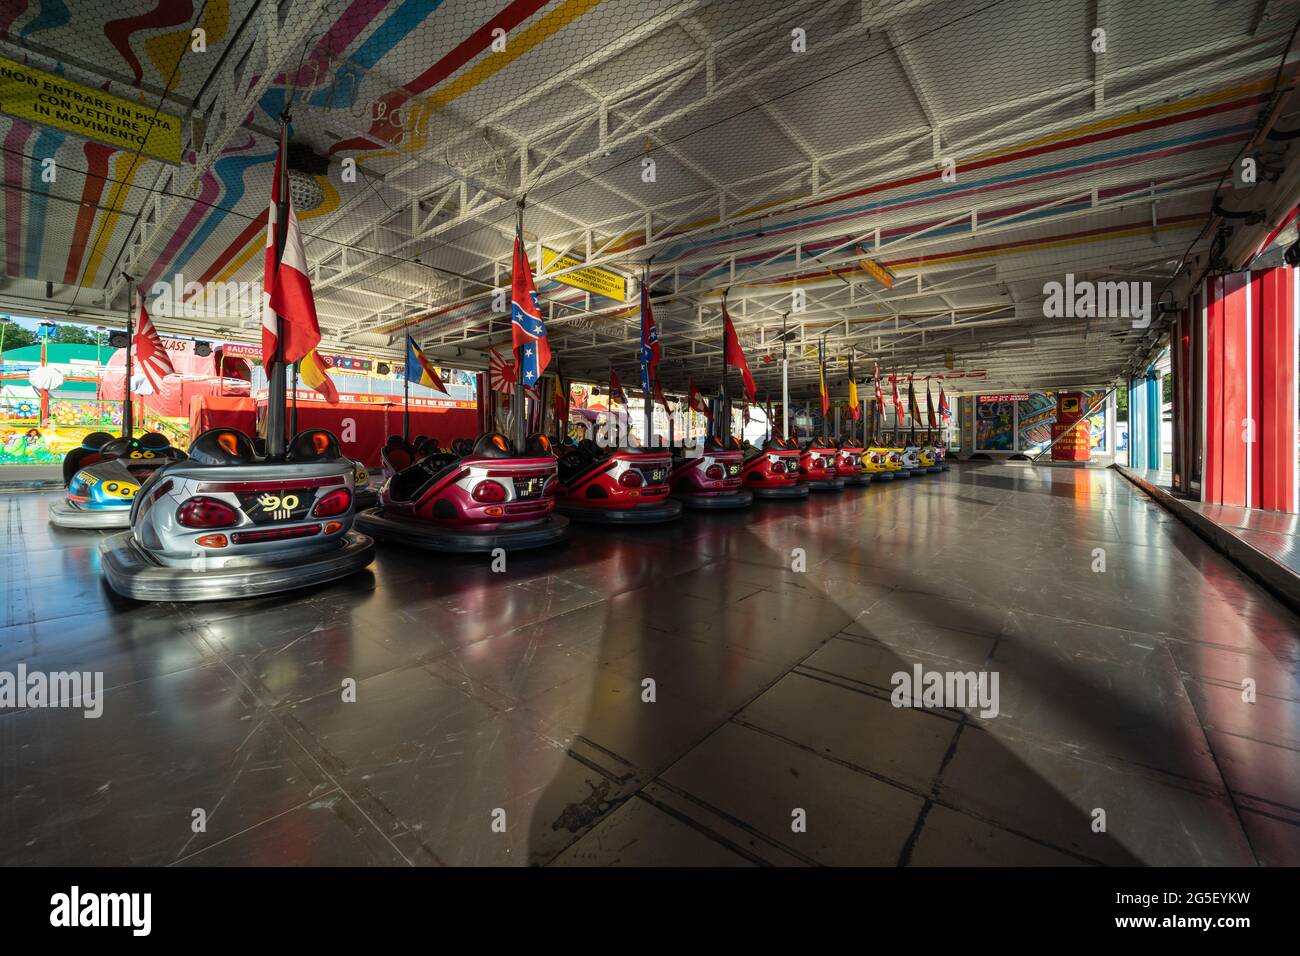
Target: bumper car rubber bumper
(789,492)
(133,573)
(860,479)
(934,469)
(826,484)
(430,537)
(366,498)
(882,476)
(65,514)
(736,499)
(667,510)
(904,473)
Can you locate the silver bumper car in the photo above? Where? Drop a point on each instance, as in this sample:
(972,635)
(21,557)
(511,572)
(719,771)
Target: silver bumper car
(229,524)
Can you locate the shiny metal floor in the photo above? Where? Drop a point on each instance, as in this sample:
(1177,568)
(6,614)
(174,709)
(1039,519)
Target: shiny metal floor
(499,718)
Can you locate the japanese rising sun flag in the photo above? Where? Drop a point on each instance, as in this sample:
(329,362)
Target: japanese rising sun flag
(150,355)
(880,396)
(898,406)
(527,333)
(313,370)
(286,290)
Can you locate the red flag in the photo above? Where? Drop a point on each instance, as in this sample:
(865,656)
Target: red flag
(270,327)
(659,395)
(696,400)
(734,355)
(616,388)
(149,353)
(290,293)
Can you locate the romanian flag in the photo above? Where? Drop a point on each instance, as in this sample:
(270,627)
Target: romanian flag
(826,396)
(929,406)
(314,372)
(420,370)
(855,407)
(560,401)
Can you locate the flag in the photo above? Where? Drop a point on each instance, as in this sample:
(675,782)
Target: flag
(313,370)
(929,406)
(696,400)
(898,406)
(821,367)
(286,288)
(744,411)
(734,355)
(944,412)
(149,353)
(880,396)
(501,374)
(420,370)
(912,410)
(855,407)
(651,351)
(560,401)
(659,396)
(616,388)
(527,333)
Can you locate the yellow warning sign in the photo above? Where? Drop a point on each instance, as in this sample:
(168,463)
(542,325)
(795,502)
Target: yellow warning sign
(612,285)
(40,97)
(878,272)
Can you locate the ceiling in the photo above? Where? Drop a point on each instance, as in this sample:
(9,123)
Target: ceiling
(774,171)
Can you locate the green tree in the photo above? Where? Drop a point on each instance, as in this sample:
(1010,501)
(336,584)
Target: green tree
(74,335)
(15,336)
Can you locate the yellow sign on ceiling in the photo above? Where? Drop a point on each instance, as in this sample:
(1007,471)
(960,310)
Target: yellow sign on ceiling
(612,285)
(878,272)
(50,100)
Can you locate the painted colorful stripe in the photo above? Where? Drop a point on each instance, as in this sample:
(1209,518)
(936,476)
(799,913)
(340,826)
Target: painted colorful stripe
(92,189)
(15,140)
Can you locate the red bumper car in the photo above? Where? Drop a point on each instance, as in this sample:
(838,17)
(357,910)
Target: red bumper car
(817,465)
(773,470)
(616,485)
(848,463)
(477,497)
(711,480)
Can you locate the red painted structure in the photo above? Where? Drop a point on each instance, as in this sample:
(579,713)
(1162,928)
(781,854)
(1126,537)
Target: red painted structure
(1241,336)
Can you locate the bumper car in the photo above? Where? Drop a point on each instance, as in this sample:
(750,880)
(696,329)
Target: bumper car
(104,475)
(710,480)
(929,459)
(227,523)
(896,464)
(875,462)
(479,496)
(616,485)
(817,465)
(773,470)
(848,463)
(912,460)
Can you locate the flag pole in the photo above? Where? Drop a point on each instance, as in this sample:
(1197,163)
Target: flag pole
(520,424)
(293,408)
(406,394)
(724,403)
(275,392)
(785,383)
(647,398)
(128,411)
